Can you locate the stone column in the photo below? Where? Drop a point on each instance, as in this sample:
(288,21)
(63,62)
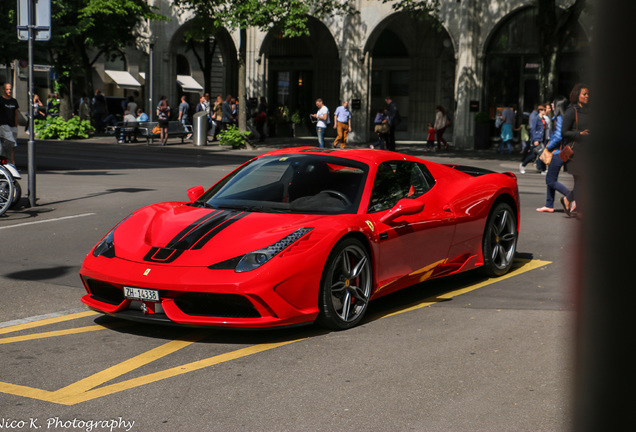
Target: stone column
(468,85)
(354,76)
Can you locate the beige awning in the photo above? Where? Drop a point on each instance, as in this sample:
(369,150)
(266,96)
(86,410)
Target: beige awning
(123,79)
(189,84)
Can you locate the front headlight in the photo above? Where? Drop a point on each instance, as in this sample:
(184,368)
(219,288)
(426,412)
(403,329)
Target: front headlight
(254,260)
(106,246)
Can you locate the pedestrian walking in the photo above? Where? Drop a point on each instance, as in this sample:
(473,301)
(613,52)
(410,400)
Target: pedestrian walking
(84,109)
(261,118)
(576,132)
(536,131)
(216,114)
(394,121)
(551,154)
(382,127)
(38,108)
(342,124)
(507,126)
(322,119)
(441,122)
(227,110)
(184,113)
(99,111)
(8,123)
(430,141)
(163,117)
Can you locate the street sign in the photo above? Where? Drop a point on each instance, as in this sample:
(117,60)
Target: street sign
(42,20)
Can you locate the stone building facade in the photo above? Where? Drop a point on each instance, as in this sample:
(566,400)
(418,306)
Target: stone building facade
(475,55)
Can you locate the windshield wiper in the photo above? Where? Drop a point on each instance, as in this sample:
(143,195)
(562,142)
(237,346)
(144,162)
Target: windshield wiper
(202,203)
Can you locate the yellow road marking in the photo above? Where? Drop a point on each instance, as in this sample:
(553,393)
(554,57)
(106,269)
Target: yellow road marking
(55,333)
(169,373)
(89,388)
(47,321)
(530,265)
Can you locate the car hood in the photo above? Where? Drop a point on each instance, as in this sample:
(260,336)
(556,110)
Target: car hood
(185,235)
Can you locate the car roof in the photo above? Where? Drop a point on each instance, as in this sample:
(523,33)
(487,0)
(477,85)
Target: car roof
(368,156)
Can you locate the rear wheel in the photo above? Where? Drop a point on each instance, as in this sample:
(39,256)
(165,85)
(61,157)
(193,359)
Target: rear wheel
(6,190)
(500,240)
(345,286)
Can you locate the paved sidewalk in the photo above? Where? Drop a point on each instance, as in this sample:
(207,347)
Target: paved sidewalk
(417,148)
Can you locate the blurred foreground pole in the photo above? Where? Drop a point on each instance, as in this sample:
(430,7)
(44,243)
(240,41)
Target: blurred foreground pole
(605,386)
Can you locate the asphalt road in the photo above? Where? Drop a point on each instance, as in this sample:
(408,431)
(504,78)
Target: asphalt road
(461,354)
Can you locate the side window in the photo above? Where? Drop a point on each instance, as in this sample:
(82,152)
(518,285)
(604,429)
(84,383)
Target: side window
(395,180)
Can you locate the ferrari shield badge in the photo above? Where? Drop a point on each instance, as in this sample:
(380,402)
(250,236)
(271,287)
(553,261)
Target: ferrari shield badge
(146,272)
(370,225)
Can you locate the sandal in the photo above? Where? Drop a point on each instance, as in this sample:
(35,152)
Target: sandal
(545,210)
(565,208)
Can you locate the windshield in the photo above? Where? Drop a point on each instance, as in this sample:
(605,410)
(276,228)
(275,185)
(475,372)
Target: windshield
(291,184)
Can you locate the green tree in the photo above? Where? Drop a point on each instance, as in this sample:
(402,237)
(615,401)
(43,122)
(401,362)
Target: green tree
(556,28)
(10,48)
(82,31)
(85,30)
(288,17)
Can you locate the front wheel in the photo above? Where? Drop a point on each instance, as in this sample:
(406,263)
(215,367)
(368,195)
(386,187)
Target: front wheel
(500,240)
(6,190)
(346,285)
(17,193)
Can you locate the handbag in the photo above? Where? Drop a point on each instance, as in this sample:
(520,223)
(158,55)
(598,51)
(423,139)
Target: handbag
(546,156)
(567,150)
(156,130)
(382,128)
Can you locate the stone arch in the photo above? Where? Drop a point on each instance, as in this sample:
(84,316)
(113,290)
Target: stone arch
(512,61)
(413,61)
(223,77)
(301,69)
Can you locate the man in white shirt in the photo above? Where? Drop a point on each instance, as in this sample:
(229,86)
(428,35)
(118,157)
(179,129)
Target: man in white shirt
(322,119)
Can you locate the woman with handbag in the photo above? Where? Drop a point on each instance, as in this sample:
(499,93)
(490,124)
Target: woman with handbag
(550,156)
(382,127)
(576,123)
(163,117)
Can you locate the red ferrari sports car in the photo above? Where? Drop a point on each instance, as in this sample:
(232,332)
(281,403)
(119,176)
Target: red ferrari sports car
(302,235)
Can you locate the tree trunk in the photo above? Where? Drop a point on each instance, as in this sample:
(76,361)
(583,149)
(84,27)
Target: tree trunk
(242,100)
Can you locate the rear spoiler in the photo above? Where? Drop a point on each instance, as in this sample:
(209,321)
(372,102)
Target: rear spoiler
(473,171)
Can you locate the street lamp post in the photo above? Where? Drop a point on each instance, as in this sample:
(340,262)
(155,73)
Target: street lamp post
(151,77)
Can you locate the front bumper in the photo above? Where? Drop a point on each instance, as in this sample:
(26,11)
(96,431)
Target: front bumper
(268,297)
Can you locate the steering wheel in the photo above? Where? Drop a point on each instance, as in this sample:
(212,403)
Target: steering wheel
(337,194)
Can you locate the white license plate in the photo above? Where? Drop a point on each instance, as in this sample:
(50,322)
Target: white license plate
(141,294)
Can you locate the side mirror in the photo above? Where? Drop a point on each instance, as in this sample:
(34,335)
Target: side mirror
(403,207)
(194,193)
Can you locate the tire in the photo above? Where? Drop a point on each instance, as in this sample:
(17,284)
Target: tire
(345,287)
(17,194)
(499,244)
(6,190)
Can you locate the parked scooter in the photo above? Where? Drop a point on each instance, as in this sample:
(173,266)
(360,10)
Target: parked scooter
(10,190)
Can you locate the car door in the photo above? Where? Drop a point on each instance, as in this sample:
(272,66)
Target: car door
(411,243)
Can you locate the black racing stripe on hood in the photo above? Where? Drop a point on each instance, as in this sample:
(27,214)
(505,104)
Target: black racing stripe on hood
(232,217)
(194,236)
(192,232)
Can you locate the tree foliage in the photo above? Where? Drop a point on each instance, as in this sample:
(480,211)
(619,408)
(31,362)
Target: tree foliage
(556,27)
(85,30)
(288,17)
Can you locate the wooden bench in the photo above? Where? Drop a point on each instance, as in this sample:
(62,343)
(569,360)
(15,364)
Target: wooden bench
(133,130)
